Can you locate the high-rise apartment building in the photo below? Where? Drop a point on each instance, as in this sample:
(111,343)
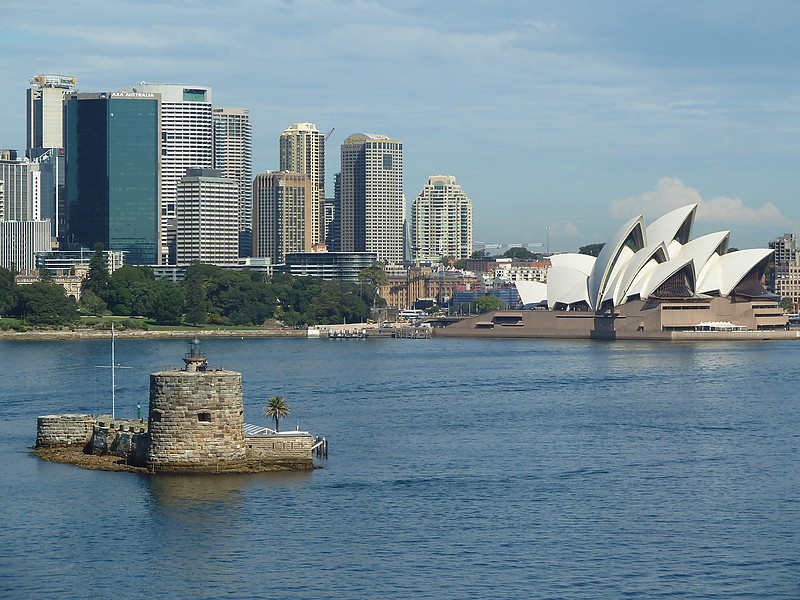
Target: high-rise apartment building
(207,218)
(372,207)
(785,275)
(282,211)
(113,154)
(187,141)
(45,110)
(441,221)
(787,249)
(233,151)
(302,150)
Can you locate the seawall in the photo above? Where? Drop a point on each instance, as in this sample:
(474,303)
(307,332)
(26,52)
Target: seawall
(95,334)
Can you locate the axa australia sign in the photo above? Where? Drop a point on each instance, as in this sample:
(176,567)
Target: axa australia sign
(133,95)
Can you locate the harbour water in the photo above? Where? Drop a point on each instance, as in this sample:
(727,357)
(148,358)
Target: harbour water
(457,469)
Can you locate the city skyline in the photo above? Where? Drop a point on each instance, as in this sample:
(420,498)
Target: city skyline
(589,112)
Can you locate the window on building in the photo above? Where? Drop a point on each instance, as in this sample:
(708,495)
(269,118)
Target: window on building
(204,417)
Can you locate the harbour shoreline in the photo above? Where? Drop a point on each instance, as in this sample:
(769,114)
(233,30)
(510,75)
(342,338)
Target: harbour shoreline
(76,457)
(90,334)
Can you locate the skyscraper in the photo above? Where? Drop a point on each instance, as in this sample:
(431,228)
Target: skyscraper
(18,178)
(22,230)
(282,209)
(207,218)
(113,151)
(48,170)
(20,241)
(45,102)
(45,143)
(333,216)
(302,150)
(441,221)
(186,142)
(233,149)
(372,204)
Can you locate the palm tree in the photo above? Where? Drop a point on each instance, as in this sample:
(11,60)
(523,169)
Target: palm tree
(276,408)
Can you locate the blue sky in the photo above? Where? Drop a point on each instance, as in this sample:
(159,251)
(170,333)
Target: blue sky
(571,115)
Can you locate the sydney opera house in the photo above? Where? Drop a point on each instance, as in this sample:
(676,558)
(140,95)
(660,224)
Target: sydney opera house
(648,282)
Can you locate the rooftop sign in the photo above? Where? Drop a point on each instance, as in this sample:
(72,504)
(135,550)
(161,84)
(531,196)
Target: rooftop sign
(132,95)
(54,81)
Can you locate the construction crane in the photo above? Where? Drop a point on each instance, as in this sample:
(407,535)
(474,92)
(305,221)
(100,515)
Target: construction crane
(329,134)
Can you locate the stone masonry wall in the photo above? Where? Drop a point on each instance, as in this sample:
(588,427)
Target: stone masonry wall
(196,420)
(280,448)
(64,430)
(129,440)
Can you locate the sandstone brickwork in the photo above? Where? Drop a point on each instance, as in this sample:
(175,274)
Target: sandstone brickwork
(64,430)
(293,448)
(196,421)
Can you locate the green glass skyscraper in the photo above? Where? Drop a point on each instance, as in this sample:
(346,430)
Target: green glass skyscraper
(113,149)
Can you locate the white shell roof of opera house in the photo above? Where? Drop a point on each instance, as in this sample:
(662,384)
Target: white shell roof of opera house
(639,260)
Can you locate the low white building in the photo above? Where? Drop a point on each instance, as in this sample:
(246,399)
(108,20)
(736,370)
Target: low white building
(511,271)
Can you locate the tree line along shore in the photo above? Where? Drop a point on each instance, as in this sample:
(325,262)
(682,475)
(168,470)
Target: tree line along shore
(88,334)
(209,299)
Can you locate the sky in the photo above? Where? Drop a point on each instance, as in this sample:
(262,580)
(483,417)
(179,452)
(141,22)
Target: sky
(560,120)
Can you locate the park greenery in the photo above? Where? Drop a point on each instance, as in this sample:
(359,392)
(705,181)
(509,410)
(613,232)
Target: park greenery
(520,253)
(516,253)
(39,304)
(484,304)
(209,295)
(591,249)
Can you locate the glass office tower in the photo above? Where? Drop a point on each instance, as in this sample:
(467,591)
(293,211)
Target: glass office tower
(113,159)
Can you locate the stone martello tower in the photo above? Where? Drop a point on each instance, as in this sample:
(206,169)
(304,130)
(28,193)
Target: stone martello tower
(196,417)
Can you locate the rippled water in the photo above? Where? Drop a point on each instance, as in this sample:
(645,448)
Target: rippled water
(458,469)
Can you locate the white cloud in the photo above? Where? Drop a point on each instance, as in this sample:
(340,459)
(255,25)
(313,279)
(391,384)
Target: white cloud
(671,193)
(570,230)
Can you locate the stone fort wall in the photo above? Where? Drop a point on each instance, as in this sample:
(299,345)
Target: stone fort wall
(280,448)
(64,430)
(196,420)
(128,439)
